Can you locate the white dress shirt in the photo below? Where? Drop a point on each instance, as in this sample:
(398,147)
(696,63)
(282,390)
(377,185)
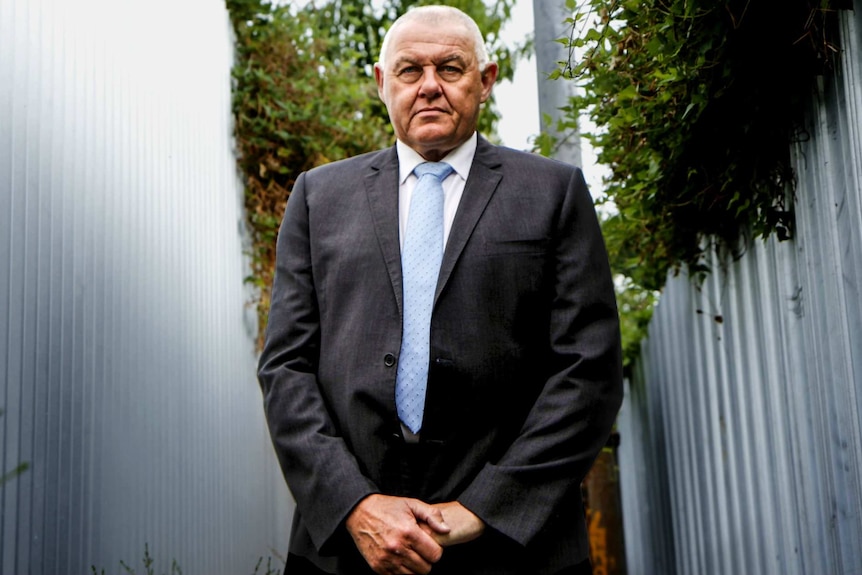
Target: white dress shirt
(461,158)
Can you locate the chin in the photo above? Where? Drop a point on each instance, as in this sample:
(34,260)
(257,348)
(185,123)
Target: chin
(433,139)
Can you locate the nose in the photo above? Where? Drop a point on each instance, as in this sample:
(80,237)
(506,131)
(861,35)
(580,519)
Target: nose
(430,86)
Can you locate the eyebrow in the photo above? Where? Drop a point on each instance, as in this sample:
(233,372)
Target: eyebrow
(452,58)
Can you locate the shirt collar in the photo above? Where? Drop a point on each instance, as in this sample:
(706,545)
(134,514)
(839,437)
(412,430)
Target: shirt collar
(461,158)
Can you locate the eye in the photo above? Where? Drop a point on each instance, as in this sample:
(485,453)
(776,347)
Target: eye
(410,73)
(449,72)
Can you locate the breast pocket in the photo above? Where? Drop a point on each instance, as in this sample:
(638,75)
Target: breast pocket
(514,246)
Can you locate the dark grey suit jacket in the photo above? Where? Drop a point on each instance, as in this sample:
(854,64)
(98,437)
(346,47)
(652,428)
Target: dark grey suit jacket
(525,377)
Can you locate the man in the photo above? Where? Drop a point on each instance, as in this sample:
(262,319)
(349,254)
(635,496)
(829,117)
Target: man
(454,432)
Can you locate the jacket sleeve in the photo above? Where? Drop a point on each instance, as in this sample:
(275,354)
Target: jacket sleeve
(541,472)
(320,471)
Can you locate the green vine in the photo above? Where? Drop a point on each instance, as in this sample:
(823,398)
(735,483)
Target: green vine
(6,476)
(696,104)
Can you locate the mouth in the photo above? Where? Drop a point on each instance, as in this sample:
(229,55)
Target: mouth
(430,112)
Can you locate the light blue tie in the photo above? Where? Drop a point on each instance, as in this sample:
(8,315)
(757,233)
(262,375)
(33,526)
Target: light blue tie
(420,266)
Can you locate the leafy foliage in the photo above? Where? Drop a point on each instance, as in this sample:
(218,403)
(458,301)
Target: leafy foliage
(635,305)
(18,470)
(696,103)
(15,472)
(304,95)
(294,108)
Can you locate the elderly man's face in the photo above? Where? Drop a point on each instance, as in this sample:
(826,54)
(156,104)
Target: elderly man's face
(432,86)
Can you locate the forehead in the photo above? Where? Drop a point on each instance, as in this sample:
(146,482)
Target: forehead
(431,40)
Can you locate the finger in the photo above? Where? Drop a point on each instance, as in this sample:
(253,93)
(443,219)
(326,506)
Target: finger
(464,525)
(442,539)
(425,545)
(414,562)
(429,515)
(400,561)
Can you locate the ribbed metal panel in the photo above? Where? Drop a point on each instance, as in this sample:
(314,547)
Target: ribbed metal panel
(742,428)
(126,347)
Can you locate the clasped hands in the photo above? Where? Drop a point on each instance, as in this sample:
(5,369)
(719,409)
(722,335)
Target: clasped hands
(398,535)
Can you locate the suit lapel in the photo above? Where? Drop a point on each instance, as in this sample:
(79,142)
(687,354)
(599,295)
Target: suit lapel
(381,185)
(480,186)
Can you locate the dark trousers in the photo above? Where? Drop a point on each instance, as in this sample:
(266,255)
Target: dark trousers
(297,565)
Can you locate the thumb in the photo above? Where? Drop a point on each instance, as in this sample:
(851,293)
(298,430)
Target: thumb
(429,515)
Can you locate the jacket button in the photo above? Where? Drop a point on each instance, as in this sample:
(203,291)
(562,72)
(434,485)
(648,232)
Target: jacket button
(388,360)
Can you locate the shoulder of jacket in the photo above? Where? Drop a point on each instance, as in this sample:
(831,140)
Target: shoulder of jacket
(352,164)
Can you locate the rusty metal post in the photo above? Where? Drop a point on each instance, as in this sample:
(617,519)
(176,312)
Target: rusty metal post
(604,513)
(549,25)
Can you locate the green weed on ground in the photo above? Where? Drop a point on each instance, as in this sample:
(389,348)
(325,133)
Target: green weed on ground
(149,569)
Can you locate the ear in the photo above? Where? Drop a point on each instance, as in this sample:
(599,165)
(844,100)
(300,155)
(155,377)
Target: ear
(489,76)
(378,77)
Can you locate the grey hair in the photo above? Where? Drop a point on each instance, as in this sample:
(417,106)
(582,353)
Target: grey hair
(436,14)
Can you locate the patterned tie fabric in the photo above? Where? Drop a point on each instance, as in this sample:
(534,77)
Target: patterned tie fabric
(420,266)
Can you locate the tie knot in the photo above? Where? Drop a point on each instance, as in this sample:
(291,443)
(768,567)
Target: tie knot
(439,170)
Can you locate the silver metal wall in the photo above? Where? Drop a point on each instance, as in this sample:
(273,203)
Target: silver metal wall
(741,444)
(126,348)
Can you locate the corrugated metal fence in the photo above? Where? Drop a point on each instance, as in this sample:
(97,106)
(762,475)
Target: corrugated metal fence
(741,444)
(126,347)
